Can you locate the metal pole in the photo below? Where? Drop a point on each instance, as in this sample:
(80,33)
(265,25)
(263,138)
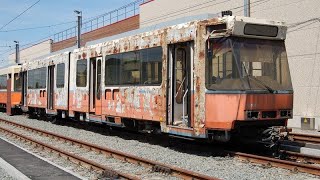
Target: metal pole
(247,9)
(17,52)
(79,13)
(79,31)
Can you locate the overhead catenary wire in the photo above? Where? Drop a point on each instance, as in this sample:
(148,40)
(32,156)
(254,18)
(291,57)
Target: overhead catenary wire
(38,27)
(19,14)
(172,13)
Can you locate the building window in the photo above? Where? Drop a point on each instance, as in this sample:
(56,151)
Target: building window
(60,75)
(3,81)
(37,78)
(17,82)
(81,79)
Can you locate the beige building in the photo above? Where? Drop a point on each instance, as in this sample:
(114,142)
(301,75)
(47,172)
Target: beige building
(41,49)
(302,41)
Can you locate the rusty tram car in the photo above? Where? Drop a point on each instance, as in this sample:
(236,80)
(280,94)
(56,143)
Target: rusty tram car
(10,89)
(213,79)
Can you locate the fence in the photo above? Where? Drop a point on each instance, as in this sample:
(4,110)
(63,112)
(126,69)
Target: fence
(111,17)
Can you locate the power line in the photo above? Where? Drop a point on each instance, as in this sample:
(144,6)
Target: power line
(20,14)
(39,27)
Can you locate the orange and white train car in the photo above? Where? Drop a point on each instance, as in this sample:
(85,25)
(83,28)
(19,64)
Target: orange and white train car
(10,88)
(213,79)
(46,83)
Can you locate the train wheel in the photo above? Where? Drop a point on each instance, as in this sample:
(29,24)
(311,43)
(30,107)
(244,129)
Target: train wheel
(54,120)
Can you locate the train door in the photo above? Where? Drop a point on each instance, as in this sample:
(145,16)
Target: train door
(24,88)
(95,85)
(50,89)
(179,87)
(9,89)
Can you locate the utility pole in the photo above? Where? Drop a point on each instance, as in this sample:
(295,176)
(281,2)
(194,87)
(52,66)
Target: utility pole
(247,9)
(79,14)
(17,52)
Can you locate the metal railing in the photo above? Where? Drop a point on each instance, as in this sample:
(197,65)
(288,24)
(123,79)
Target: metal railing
(111,17)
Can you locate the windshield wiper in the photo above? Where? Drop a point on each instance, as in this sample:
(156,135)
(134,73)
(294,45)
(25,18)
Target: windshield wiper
(262,83)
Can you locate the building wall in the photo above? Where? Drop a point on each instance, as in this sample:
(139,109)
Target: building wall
(303,38)
(33,52)
(119,27)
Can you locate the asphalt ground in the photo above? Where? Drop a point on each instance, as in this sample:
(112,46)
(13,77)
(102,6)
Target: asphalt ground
(29,165)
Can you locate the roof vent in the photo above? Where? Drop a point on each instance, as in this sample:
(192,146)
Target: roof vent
(226,13)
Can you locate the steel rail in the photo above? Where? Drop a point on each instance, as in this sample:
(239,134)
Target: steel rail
(155,166)
(272,162)
(305,138)
(302,157)
(108,172)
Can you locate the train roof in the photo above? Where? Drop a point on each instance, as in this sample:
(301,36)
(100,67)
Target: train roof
(234,26)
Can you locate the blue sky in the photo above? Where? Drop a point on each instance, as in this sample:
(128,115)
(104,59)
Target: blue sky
(46,12)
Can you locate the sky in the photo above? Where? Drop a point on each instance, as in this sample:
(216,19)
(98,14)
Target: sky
(44,13)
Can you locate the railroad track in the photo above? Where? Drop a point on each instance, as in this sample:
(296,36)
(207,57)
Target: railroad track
(299,157)
(110,153)
(273,162)
(156,166)
(306,138)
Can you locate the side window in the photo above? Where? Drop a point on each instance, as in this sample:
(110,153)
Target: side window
(37,78)
(81,79)
(151,59)
(3,81)
(112,72)
(31,79)
(60,75)
(143,67)
(17,82)
(130,69)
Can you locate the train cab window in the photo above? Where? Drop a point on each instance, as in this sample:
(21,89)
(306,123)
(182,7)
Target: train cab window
(81,79)
(151,62)
(3,81)
(130,69)
(17,82)
(112,72)
(60,75)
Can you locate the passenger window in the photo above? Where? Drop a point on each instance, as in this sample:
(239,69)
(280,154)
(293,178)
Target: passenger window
(143,67)
(3,81)
(112,74)
(130,69)
(37,78)
(81,78)
(17,82)
(99,80)
(60,75)
(151,60)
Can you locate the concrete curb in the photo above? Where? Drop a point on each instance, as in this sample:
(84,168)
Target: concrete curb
(12,171)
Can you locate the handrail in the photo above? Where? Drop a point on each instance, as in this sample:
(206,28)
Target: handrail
(180,87)
(183,100)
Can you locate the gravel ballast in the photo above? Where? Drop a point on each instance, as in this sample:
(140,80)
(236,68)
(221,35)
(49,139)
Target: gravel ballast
(220,167)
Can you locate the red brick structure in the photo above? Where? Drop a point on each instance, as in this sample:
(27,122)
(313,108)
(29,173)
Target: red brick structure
(119,27)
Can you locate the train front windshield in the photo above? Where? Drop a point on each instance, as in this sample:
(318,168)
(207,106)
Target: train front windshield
(247,64)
